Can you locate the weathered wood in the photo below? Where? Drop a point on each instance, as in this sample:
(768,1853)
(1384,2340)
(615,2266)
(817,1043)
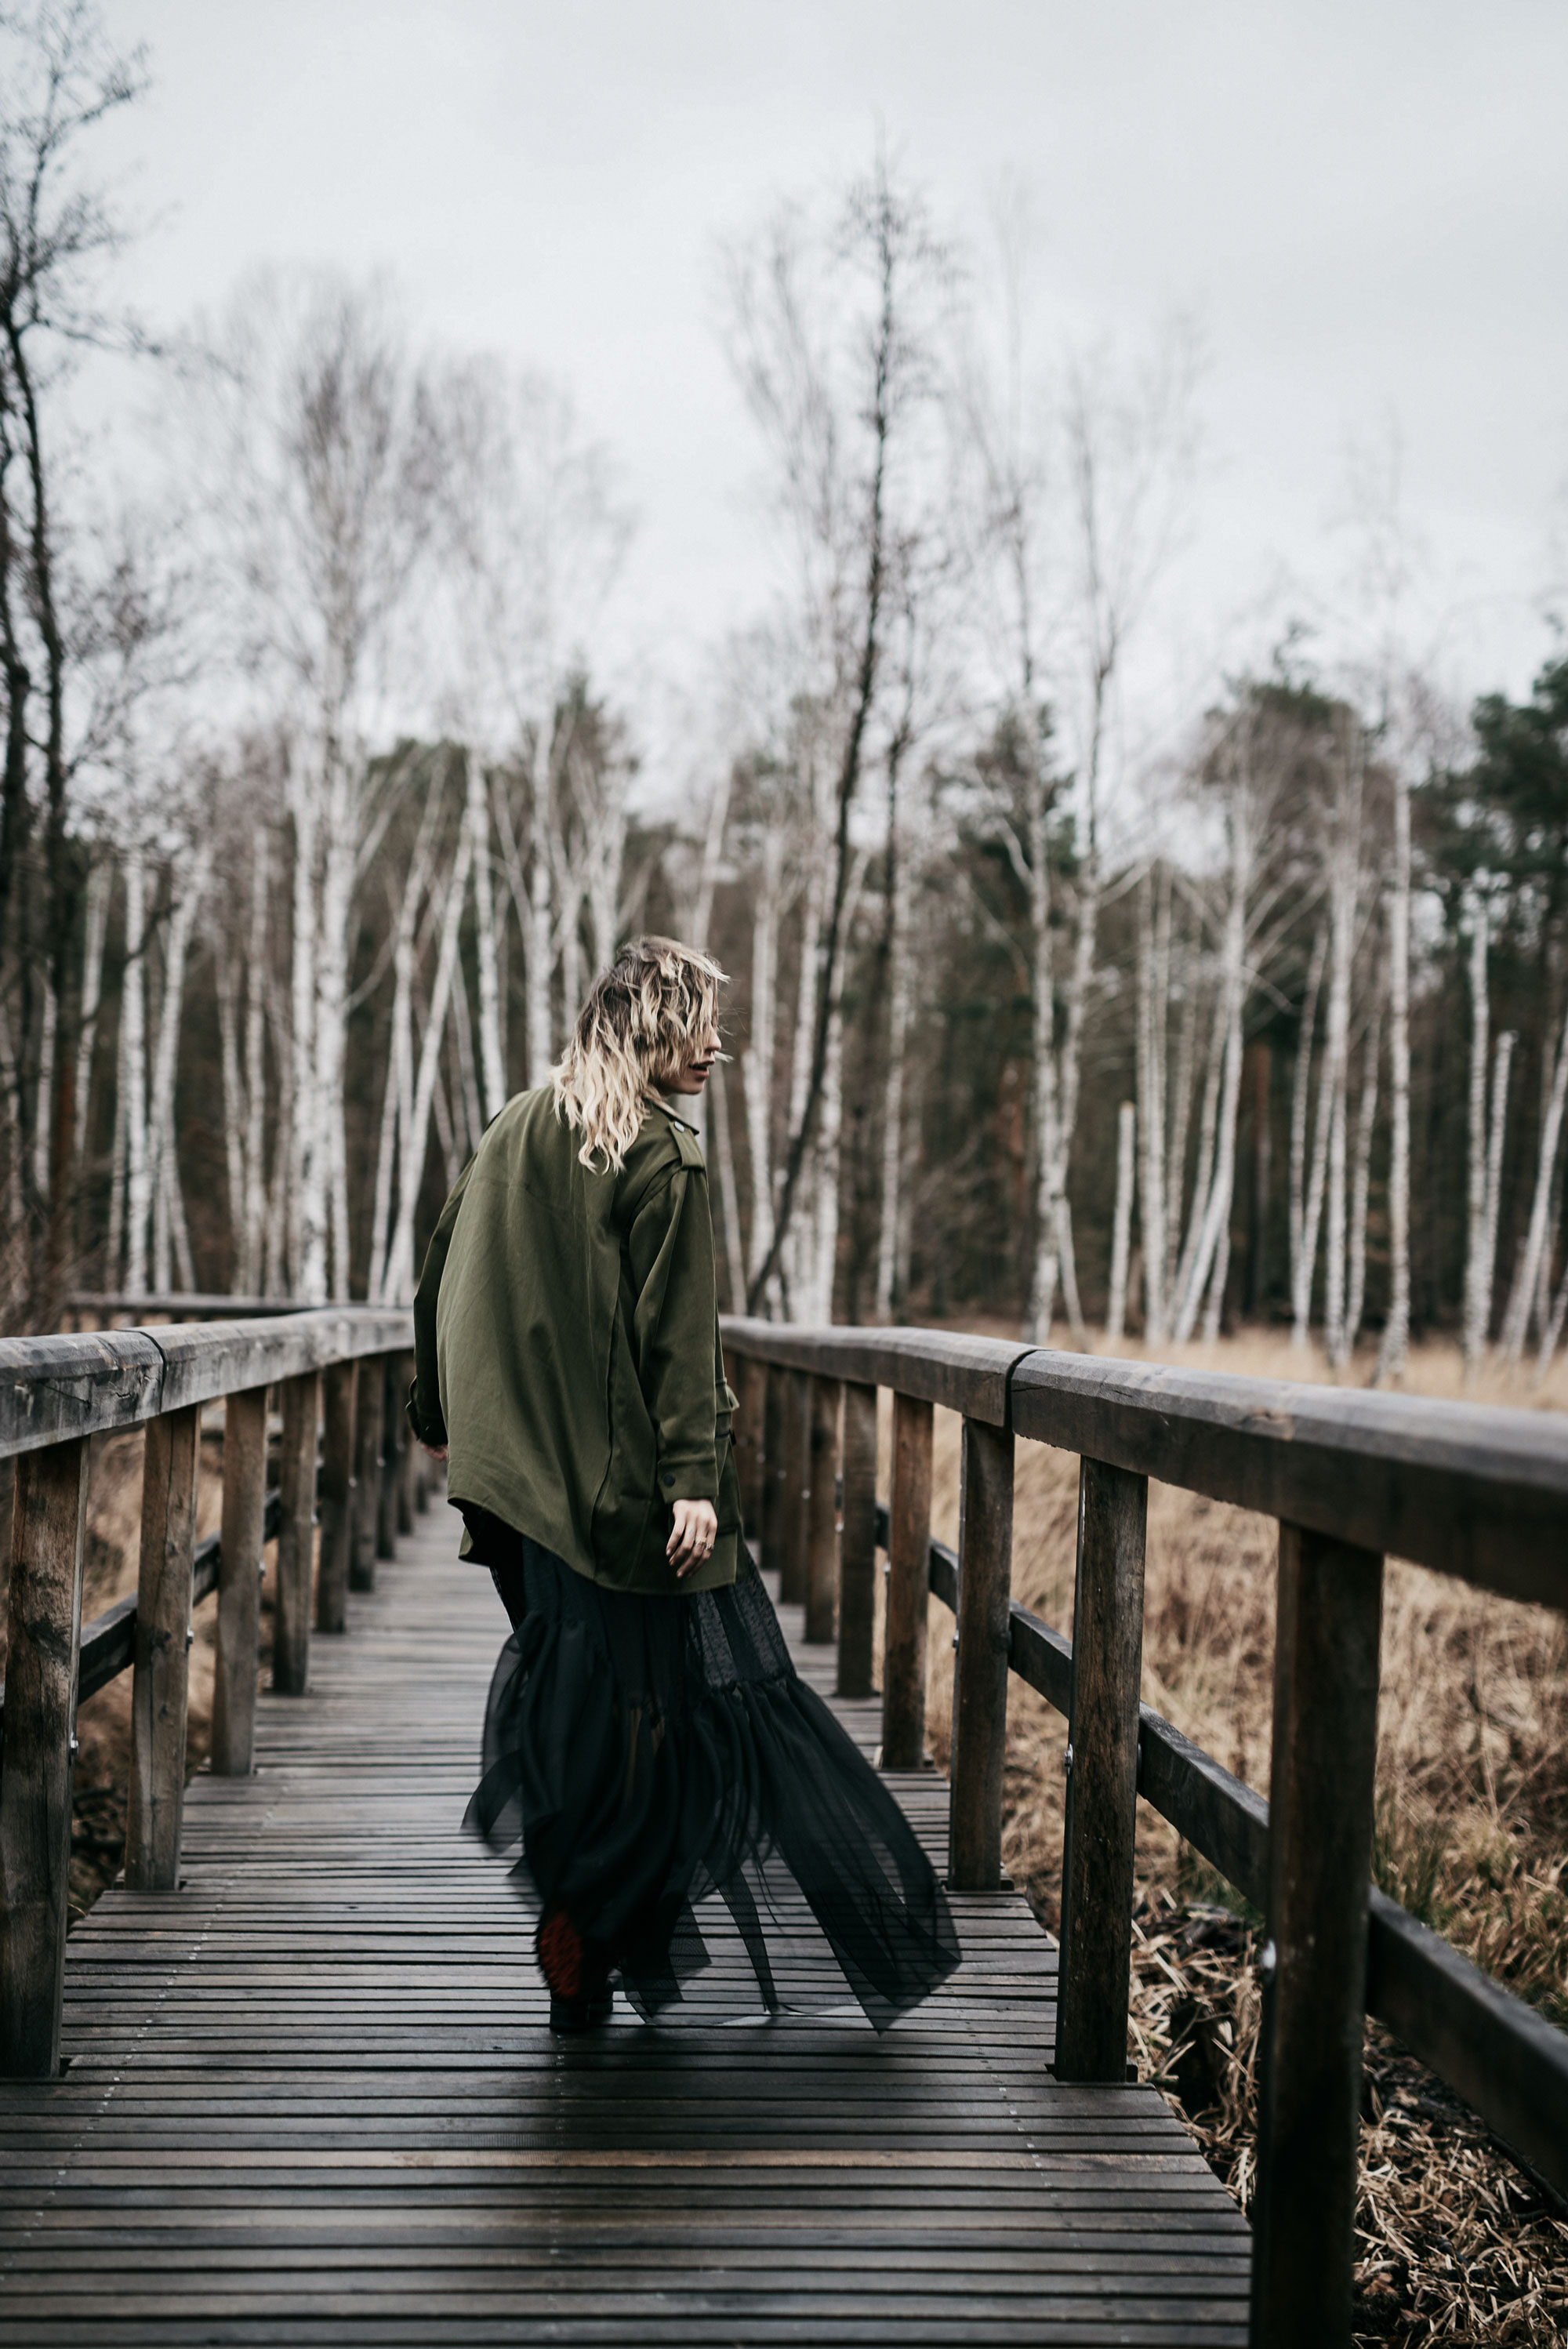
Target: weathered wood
(908,1587)
(1324,1755)
(822,1514)
(51,1388)
(1466,1488)
(1100,1838)
(182,1305)
(980,1675)
(857,1542)
(366,1475)
(240,1582)
(394,1429)
(797,1487)
(161,1674)
(942,1366)
(339,1494)
(408,1450)
(296,1535)
(773,1472)
(48,1521)
(750,1378)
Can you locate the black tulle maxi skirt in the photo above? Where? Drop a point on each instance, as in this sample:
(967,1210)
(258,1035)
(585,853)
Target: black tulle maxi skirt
(693,1807)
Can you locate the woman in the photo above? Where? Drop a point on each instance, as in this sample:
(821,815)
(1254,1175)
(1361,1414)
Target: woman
(646,1737)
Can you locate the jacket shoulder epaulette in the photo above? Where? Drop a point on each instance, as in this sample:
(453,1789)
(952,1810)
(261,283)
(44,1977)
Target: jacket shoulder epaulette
(688,1145)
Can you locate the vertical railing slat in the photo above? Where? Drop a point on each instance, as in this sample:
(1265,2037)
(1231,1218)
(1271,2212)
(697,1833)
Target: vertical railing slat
(773,1532)
(857,1541)
(161,1673)
(296,1535)
(980,1676)
(823,1528)
(394,1429)
(1099,1846)
(48,1521)
(797,1487)
(908,1587)
(367,1474)
(1321,1788)
(240,1582)
(339,1493)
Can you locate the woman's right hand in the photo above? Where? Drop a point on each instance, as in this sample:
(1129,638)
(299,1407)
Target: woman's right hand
(436,1451)
(695,1531)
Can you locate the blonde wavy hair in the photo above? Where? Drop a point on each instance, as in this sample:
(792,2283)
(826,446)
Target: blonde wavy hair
(637,1027)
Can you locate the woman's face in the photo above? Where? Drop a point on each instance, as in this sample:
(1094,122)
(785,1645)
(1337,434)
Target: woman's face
(692,1073)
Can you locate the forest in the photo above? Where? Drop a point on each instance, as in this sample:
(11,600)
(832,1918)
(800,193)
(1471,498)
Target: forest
(323,804)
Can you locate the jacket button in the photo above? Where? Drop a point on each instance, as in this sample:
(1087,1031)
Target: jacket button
(668,1477)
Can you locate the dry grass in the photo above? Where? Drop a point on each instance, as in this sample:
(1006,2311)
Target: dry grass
(1471,1831)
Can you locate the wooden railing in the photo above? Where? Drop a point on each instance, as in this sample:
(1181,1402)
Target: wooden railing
(339,1376)
(1479,1494)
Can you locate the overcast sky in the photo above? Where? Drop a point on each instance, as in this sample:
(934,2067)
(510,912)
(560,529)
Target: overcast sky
(1366,206)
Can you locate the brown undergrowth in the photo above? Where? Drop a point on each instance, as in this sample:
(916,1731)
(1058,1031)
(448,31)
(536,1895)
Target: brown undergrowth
(1471,1833)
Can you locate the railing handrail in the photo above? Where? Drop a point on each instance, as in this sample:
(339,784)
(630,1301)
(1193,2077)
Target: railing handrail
(90,1382)
(1475,1490)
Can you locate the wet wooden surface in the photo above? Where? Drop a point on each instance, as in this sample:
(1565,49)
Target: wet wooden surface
(311,2098)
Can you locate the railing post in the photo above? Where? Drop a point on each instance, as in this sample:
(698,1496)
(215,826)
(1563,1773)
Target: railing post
(408,1450)
(393,1432)
(857,1542)
(1098,1847)
(240,1582)
(1321,1787)
(797,1487)
(823,1530)
(296,1535)
(750,1379)
(48,1520)
(908,1587)
(980,1678)
(773,1512)
(366,1474)
(339,1392)
(161,1673)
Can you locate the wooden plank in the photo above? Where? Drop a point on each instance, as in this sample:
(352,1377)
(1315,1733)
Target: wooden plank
(1323,1758)
(1099,1842)
(408,1450)
(1466,1488)
(296,1535)
(160,1680)
(822,1599)
(339,1396)
(795,1488)
(941,1366)
(750,1380)
(239,1582)
(774,1511)
(394,1434)
(48,1519)
(909,1546)
(980,1675)
(366,1475)
(51,1388)
(857,1541)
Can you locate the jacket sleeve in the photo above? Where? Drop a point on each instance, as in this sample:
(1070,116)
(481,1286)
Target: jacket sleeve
(425,1394)
(670,1249)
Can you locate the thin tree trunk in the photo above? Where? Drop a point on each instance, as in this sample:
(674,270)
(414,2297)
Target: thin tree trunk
(234,1107)
(1121,1220)
(1300,1098)
(166,1208)
(44,1099)
(1517,1322)
(1181,1126)
(99,882)
(717,1105)
(1395,1347)
(1473,1329)
(1046,1267)
(250,1259)
(400,1276)
(1153,990)
(1211,1206)
(305,1197)
(901,977)
(116,1240)
(493,1066)
(756,1059)
(1187,1278)
(1361,1180)
(540,934)
(133,1029)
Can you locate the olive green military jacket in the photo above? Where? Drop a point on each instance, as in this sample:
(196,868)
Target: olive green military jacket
(567,1349)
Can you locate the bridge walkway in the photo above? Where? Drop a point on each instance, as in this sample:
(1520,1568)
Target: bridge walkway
(311,2099)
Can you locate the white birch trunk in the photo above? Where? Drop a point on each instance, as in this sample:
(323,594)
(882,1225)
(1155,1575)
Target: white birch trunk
(46,1092)
(1121,1221)
(1181,1126)
(1153,985)
(540,934)
(400,1272)
(167,1210)
(1361,1181)
(1211,1208)
(234,1107)
(1046,1237)
(493,1066)
(756,1059)
(1203,1173)
(1302,1265)
(133,1029)
(1394,1348)
(1473,1327)
(114,1249)
(99,882)
(901,977)
(1517,1321)
(716,1103)
(305,1197)
(253,1227)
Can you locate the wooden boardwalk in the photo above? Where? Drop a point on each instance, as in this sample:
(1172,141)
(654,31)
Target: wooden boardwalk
(311,2099)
